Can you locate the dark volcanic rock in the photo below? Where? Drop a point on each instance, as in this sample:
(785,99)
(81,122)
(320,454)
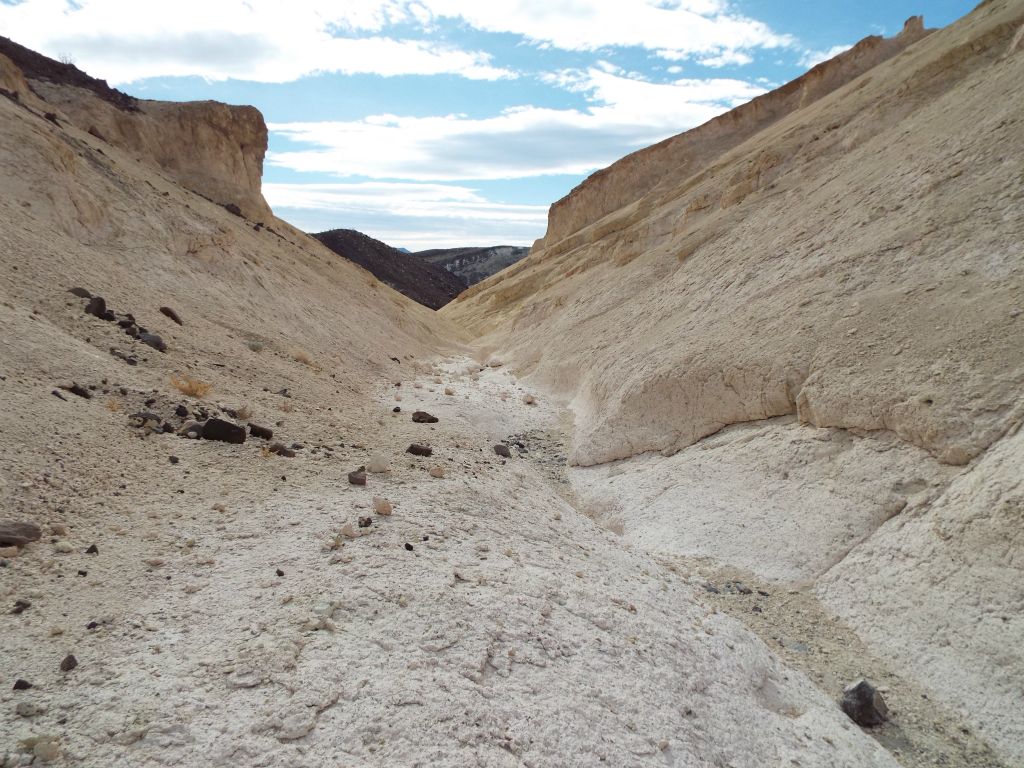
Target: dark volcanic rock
(261,432)
(419,450)
(154,341)
(171,314)
(502,450)
(69,663)
(181,411)
(225,431)
(358,477)
(78,389)
(97,307)
(864,704)
(281,450)
(418,279)
(18,534)
(422,417)
(22,685)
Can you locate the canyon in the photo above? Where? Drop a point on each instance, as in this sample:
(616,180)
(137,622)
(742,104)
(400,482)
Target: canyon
(743,427)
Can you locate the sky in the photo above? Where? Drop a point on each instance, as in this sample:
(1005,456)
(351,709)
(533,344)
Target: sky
(444,123)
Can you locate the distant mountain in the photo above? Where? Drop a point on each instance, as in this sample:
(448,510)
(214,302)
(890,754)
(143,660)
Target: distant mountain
(418,279)
(474,264)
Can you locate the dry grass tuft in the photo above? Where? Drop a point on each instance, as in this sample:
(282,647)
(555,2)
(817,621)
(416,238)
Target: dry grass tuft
(113,405)
(301,356)
(191,387)
(255,345)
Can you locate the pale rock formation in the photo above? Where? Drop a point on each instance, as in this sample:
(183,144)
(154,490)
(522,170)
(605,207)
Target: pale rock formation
(845,250)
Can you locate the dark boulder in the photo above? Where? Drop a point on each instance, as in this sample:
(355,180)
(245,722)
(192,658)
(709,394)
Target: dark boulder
(225,431)
(261,432)
(422,417)
(358,477)
(503,451)
(154,341)
(419,450)
(864,704)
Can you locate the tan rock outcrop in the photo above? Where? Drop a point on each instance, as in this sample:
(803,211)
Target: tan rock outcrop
(855,262)
(213,149)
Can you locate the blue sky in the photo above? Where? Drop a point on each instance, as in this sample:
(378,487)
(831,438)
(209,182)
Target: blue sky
(435,123)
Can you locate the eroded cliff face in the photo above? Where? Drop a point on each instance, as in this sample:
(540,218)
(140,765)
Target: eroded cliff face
(844,254)
(637,174)
(213,149)
(856,263)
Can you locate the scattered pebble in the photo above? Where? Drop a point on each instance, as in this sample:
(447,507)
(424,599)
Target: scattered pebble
(416,449)
(437,471)
(358,477)
(69,663)
(22,685)
(422,417)
(502,450)
(63,547)
(408,547)
(382,506)
(377,464)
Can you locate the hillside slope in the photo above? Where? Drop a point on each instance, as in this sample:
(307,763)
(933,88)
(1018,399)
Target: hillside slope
(474,264)
(790,339)
(423,282)
(195,602)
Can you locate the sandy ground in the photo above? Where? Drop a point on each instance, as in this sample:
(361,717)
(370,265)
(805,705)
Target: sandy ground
(224,620)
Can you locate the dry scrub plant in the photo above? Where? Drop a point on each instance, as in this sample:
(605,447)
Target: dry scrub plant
(191,387)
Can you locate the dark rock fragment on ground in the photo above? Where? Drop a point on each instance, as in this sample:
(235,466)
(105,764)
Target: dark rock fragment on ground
(502,450)
(864,704)
(422,417)
(420,450)
(358,477)
(154,341)
(78,389)
(92,550)
(18,534)
(22,685)
(280,450)
(261,432)
(225,431)
(168,312)
(69,663)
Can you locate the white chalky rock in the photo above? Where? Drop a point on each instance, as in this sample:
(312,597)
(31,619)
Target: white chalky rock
(449,391)
(63,547)
(377,464)
(382,506)
(349,531)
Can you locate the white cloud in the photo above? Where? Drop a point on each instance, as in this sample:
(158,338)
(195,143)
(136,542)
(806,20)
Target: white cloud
(626,113)
(813,58)
(686,27)
(263,40)
(282,40)
(416,216)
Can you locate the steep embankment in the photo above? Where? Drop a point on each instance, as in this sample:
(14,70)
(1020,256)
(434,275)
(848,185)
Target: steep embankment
(206,601)
(421,281)
(844,253)
(474,264)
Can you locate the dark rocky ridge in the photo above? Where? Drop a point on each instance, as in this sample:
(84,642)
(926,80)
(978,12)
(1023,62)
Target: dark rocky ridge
(421,281)
(474,264)
(35,66)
